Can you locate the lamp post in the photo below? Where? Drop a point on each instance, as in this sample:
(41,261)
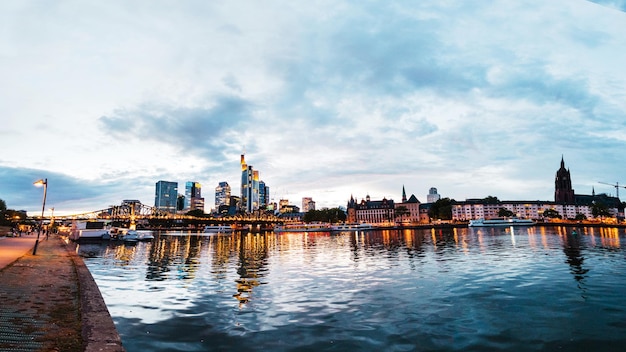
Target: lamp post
(44,183)
(51,222)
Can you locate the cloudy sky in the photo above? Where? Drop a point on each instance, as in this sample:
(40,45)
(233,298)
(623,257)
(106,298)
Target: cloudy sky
(328,98)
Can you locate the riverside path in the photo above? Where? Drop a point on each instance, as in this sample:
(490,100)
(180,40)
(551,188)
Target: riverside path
(49,301)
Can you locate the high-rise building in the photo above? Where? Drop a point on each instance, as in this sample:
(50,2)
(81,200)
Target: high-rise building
(166,196)
(264,195)
(249,187)
(222,195)
(563,192)
(193,196)
(307,204)
(432,196)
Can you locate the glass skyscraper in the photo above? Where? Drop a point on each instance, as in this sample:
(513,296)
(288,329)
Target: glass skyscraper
(166,195)
(222,194)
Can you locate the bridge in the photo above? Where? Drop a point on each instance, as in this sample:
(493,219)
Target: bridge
(130,214)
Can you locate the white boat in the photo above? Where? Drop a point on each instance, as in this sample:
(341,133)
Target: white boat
(218,229)
(301,227)
(144,235)
(351,227)
(88,231)
(500,222)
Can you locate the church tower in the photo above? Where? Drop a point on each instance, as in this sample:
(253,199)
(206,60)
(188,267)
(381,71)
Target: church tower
(563,192)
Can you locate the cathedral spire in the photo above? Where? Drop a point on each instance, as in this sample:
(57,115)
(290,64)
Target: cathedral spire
(403,195)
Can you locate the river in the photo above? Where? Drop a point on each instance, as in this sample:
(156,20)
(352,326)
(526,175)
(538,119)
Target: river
(467,289)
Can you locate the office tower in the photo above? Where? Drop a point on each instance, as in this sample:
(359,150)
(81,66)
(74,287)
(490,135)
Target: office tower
(307,204)
(222,195)
(249,187)
(264,195)
(432,196)
(193,196)
(166,196)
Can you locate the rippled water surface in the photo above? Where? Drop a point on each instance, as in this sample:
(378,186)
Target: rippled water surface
(527,289)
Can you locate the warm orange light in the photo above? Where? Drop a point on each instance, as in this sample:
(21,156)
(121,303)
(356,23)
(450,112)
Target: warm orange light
(39,183)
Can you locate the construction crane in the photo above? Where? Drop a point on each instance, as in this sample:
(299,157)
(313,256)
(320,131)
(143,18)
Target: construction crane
(616,185)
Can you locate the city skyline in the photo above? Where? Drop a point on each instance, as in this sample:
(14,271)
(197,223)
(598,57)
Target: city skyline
(328,99)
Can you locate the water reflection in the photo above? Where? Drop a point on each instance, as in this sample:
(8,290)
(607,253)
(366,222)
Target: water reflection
(439,289)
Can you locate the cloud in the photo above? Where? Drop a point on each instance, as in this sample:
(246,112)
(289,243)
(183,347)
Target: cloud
(201,130)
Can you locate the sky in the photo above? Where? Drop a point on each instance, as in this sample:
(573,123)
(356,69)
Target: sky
(327,99)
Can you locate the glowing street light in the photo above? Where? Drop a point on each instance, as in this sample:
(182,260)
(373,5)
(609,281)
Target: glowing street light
(44,183)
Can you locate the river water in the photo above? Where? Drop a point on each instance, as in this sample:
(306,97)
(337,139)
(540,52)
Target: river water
(467,289)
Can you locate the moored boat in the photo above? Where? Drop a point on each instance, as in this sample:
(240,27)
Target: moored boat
(302,227)
(88,231)
(351,227)
(500,222)
(218,229)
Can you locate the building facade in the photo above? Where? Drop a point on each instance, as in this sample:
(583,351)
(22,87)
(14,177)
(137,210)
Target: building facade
(476,209)
(222,195)
(412,206)
(193,196)
(381,212)
(166,196)
(264,195)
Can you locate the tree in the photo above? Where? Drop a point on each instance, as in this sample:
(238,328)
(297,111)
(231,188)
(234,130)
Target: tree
(491,200)
(600,210)
(580,217)
(503,212)
(551,214)
(441,209)
(3,206)
(333,215)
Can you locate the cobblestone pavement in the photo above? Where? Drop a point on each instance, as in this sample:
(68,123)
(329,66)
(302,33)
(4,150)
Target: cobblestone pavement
(40,301)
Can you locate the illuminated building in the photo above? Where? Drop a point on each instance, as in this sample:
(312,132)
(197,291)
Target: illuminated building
(371,212)
(222,195)
(249,187)
(193,196)
(166,195)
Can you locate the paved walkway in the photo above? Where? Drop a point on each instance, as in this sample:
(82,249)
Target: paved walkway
(49,301)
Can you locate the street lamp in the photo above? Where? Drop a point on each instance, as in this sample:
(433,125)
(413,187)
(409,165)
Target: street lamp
(51,222)
(44,183)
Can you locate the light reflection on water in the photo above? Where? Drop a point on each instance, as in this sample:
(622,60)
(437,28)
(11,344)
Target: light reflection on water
(536,288)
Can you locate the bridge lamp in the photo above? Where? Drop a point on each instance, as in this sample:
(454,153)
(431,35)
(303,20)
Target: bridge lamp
(44,183)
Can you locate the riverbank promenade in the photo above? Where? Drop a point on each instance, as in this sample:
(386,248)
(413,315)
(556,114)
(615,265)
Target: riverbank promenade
(49,301)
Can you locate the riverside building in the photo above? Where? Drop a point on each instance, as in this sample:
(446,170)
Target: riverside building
(379,212)
(412,206)
(566,203)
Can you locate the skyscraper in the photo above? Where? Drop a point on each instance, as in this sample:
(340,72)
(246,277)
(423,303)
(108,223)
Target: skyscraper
(222,194)
(264,195)
(193,196)
(165,196)
(249,187)
(432,196)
